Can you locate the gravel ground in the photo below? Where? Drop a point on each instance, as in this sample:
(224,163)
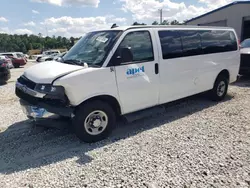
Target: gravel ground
(196,143)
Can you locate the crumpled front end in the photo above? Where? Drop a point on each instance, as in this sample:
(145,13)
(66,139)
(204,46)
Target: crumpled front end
(39,102)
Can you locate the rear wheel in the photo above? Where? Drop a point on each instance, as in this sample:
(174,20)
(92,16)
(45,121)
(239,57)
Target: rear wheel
(220,88)
(94,121)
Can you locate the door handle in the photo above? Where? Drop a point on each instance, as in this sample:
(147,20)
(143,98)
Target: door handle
(156,68)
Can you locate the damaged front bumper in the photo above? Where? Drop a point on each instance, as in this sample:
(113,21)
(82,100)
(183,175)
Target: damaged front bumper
(34,112)
(35,105)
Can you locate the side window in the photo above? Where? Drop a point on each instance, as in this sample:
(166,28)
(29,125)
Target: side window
(191,43)
(140,44)
(170,44)
(227,40)
(19,55)
(218,41)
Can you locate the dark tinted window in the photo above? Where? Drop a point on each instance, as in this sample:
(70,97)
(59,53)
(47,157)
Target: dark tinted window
(140,45)
(8,54)
(170,44)
(218,41)
(245,43)
(191,43)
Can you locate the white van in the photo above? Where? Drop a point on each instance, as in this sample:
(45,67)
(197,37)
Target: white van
(115,72)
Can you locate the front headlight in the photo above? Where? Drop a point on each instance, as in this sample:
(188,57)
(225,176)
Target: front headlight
(49,89)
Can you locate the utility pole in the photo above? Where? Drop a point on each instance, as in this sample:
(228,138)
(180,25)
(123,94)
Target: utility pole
(160,16)
(46,30)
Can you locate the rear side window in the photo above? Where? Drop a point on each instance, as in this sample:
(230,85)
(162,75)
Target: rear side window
(170,44)
(218,41)
(191,43)
(140,45)
(183,43)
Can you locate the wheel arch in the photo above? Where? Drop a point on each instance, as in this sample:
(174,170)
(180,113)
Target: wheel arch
(105,98)
(225,73)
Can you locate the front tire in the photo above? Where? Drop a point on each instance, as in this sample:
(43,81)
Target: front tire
(94,121)
(220,88)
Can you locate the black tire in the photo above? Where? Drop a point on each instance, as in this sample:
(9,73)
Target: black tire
(30,117)
(218,94)
(38,59)
(16,65)
(82,113)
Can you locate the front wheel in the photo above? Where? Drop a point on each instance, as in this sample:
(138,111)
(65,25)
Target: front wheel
(94,121)
(220,88)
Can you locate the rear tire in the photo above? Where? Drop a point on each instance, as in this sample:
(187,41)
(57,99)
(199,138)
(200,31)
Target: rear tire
(94,121)
(220,88)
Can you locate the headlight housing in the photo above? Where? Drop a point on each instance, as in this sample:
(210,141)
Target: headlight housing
(49,89)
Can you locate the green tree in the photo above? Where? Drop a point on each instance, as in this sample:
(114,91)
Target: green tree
(23,48)
(30,46)
(26,42)
(136,23)
(72,41)
(155,23)
(165,22)
(175,22)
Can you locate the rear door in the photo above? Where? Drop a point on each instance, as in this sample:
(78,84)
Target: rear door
(138,81)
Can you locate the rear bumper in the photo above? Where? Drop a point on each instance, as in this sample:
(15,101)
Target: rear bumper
(21,63)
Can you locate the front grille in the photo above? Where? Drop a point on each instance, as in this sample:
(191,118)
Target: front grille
(245,60)
(25,81)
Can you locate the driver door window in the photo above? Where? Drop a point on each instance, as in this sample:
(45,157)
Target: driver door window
(140,44)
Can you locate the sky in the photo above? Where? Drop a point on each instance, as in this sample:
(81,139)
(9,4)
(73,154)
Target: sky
(76,17)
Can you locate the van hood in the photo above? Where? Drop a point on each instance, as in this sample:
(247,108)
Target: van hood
(48,71)
(245,51)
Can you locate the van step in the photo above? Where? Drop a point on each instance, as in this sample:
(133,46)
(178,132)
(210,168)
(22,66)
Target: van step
(145,113)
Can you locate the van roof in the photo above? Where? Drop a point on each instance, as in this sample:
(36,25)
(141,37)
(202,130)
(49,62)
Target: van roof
(168,26)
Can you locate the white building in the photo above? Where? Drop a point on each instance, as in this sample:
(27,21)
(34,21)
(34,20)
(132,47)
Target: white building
(236,15)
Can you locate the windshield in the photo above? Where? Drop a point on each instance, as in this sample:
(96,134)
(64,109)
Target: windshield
(93,48)
(245,44)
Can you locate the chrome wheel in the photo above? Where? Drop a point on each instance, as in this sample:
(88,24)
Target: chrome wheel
(96,122)
(221,88)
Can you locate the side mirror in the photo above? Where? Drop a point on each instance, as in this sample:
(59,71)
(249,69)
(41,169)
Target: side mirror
(125,55)
(59,59)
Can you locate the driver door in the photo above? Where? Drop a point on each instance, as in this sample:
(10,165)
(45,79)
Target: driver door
(138,79)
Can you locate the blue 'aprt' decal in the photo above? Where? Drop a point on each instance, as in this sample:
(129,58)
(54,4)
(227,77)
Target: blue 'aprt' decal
(133,71)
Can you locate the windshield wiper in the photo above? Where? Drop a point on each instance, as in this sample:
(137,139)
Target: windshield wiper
(79,62)
(73,61)
(94,65)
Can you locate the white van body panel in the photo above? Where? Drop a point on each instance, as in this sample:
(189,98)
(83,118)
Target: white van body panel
(87,83)
(187,76)
(140,90)
(46,72)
